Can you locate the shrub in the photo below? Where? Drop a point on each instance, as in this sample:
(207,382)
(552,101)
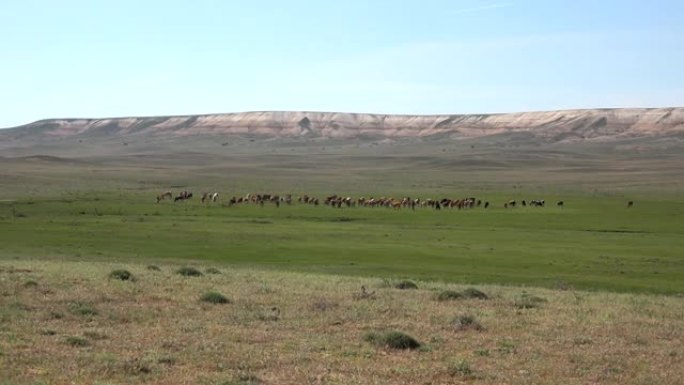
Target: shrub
(189,272)
(153,268)
(392,339)
(214,297)
(213,270)
(405,285)
(121,274)
(474,293)
(30,283)
(448,295)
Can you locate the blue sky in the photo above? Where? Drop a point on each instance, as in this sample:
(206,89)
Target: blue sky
(130,58)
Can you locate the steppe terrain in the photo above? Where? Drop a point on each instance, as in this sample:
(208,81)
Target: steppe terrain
(585,292)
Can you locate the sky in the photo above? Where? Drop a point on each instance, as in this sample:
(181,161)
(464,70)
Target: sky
(96,59)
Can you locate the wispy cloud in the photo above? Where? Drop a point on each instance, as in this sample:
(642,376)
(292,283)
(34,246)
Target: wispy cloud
(481,8)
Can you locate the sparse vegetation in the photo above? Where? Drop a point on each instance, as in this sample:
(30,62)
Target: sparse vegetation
(212,270)
(154,332)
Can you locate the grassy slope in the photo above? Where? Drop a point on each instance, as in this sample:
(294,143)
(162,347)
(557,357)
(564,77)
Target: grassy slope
(67,323)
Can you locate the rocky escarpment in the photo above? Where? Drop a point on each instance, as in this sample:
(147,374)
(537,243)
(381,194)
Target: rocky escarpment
(567,125)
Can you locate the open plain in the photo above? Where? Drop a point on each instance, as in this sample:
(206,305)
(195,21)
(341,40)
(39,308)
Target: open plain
(586,292)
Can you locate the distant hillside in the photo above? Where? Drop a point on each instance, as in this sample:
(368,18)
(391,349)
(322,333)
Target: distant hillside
(552,126)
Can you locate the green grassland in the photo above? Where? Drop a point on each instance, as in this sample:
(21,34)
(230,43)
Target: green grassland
(591,243)
(84,202)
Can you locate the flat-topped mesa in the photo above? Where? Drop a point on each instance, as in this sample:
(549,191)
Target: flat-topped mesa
(567,125)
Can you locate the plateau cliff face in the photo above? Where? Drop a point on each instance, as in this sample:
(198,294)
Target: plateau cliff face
(553,126)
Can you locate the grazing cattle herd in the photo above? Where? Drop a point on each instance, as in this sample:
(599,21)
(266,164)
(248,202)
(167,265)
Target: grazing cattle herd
(340,201)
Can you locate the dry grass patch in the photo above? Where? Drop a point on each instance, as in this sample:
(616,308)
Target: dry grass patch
(294,328)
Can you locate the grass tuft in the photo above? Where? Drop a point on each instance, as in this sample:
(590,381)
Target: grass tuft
(214,297)
(474,293)
(212,270)
(77,341)
(121,274)
(461,369)
(467,321)
(406,285)
(153,268)
(527,301)
(449,295)
(30,283)
(79,308)
(187,271)
(392,340)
